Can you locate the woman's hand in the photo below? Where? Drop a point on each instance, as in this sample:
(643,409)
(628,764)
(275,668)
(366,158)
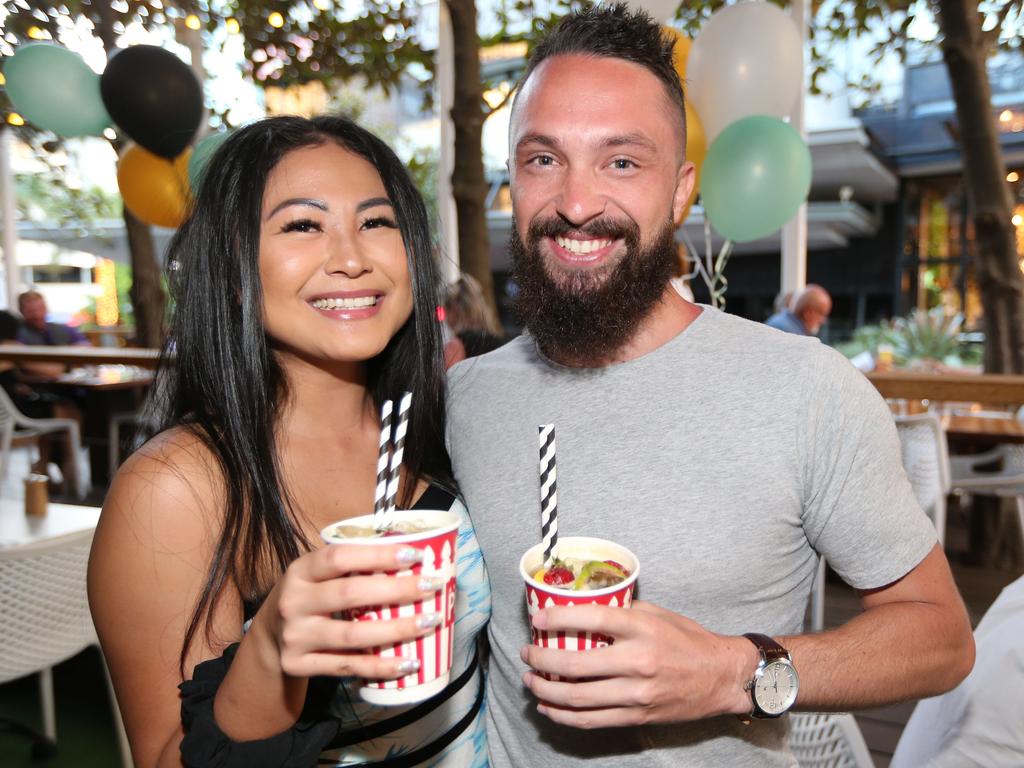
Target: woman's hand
(306,619)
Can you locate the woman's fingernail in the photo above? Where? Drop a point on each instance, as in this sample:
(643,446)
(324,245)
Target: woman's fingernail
(428,620)
(407,666)
(409,555)
(427,584)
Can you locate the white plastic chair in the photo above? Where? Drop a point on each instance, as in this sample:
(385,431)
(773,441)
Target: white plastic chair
(926,461)
(13,423)
(971,476)
(827,740)
(44,618)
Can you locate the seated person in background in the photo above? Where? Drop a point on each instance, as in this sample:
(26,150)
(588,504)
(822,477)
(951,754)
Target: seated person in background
(31,402)
(471,321)
(36,331)
(810,310)
(980,723)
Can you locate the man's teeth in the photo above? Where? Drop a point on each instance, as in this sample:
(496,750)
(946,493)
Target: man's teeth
(359,303)
(582,246)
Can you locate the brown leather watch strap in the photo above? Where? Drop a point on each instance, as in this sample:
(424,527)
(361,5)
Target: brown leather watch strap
(771,649)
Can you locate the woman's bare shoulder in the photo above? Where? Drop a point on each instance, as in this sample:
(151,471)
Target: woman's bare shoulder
(169,489)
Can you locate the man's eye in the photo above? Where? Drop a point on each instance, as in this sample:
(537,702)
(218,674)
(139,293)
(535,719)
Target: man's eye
(379,221)
(544,160)
(302,225)
(622,164)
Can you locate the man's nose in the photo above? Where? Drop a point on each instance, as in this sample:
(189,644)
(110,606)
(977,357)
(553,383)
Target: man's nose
(581,198)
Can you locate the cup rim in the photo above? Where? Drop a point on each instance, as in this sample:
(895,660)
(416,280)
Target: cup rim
(579,594)
(367,520)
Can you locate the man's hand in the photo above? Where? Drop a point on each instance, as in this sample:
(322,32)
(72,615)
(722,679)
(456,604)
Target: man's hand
(662,668)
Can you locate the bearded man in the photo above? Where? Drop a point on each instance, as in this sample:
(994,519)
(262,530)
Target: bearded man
(727,456)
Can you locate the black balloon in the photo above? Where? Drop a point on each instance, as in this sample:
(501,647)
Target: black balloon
(154,97)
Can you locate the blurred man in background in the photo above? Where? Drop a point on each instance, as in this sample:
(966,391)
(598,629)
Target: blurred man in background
(809,312)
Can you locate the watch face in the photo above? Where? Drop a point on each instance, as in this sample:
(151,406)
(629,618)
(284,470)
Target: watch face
(775,690)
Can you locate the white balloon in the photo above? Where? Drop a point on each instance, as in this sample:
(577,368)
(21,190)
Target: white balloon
(659,10)
(746,60)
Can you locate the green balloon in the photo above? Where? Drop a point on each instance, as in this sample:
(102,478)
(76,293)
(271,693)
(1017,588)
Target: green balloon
(56,90)
(755,176)
(200,158)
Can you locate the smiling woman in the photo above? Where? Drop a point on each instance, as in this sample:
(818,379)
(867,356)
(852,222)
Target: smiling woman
(305,297)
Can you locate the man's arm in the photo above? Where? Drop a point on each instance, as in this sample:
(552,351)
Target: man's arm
(913,639)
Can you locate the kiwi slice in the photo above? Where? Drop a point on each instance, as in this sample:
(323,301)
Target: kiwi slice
(597,574)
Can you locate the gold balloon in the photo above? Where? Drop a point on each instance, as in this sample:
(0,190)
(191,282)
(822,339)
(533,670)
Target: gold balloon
(154,189)
(696,149)
(680,52)
(181,168)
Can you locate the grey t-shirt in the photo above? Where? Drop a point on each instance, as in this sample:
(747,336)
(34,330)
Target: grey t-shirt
(726,459)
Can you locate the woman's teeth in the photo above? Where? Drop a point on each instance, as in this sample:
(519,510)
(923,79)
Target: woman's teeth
(358,303)
(582,246)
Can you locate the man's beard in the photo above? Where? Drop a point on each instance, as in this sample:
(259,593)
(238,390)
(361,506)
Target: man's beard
(583,316)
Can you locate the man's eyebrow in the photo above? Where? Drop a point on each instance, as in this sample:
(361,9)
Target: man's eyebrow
(306,201)
(373,202)
(538,138)
(630,139)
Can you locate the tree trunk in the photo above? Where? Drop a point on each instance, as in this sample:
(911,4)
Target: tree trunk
(469,186)
(965,52)
(147,294)
(148,299)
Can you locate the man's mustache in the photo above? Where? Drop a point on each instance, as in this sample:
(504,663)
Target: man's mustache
(606,228)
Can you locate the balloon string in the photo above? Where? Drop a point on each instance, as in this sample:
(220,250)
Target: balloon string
(709,268)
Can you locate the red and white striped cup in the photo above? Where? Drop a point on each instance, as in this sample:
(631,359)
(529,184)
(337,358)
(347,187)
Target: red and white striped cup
(540,595)
(434,651)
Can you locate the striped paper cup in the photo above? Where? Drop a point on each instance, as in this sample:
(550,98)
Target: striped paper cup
(540,595)
(434,651)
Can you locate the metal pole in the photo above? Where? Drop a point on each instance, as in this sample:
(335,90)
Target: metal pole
(449,223)
(794,233)
(12,279)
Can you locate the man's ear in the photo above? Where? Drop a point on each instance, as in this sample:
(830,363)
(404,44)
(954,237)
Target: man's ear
(685,180)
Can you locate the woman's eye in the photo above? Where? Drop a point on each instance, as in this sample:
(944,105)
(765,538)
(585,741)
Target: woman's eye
(379,221)
(302,225)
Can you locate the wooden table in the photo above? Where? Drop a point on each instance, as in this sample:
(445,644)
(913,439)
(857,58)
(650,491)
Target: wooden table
(104,393)
(18,529)
(983,429)
(77,357)
(991,388)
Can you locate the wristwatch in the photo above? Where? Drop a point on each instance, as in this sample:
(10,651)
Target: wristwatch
(775,683)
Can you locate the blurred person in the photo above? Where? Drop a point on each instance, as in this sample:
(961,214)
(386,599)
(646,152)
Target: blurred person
(471,321)
(810,310)
(37,404)
(980,723)
(305,297)
(37,330)
(729,457)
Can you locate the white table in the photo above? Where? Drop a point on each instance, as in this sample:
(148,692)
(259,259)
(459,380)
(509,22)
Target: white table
(18,529)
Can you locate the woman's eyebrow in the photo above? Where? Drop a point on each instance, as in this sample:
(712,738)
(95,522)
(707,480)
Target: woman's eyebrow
(373,202)
(307,201)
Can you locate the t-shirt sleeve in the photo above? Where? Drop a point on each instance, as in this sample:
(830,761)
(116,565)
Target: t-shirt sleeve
(859,509)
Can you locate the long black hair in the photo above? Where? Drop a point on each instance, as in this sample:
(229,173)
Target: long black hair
(220,379)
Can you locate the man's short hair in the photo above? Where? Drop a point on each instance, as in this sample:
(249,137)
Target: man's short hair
(615,32)
(28,296)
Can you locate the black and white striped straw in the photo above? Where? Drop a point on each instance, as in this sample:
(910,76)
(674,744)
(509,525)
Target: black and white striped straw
(383,454)
(548,496)
(395,467)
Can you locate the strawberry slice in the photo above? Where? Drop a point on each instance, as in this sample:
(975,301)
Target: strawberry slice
(558,576)
(618,565)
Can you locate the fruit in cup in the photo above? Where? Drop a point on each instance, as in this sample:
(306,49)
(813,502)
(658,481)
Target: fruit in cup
(582,575)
